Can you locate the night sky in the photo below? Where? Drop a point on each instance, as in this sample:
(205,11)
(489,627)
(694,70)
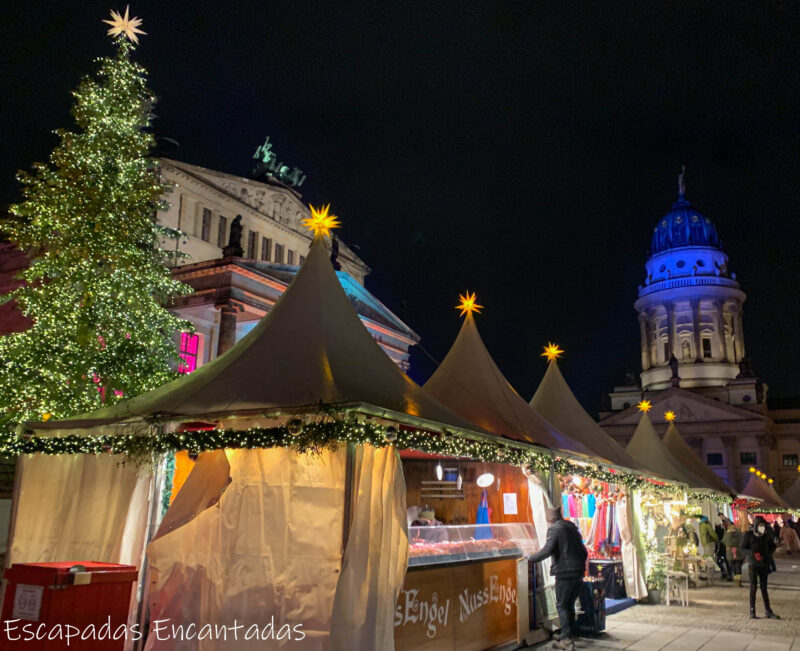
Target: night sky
(521,150)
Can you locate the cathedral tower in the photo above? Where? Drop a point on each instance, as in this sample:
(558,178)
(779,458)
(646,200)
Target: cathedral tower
(690,307)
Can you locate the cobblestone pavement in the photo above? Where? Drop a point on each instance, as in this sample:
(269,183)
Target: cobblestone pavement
(718,617)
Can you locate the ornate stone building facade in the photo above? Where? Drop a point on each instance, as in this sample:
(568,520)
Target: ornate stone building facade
(693,357)
(234,289)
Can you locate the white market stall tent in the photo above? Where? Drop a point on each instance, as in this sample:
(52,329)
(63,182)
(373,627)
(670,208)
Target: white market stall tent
(761,490)
(556,402)
(260,530)
(681,450)
(649,450)
(792,495)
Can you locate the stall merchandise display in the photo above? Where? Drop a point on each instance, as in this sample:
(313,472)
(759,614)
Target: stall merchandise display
(459,543)
(591,505)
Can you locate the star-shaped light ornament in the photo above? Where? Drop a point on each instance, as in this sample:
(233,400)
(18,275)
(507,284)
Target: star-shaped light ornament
(321,223)
(669,415)
(125,25)
(645,406)
(468,304)
(552,351)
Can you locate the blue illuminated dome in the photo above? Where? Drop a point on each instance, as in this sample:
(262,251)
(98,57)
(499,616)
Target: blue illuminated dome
(684,226)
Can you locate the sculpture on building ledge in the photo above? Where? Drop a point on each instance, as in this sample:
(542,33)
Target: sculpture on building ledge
(269,165)
(673,364)
(335,253)
(234,248)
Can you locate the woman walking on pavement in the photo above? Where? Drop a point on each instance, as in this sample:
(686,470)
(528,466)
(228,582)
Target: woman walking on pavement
(733,551)
(760,545)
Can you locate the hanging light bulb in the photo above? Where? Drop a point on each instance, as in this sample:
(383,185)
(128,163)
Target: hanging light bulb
(439,471)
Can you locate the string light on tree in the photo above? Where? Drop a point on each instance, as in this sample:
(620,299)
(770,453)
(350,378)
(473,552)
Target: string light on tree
(552,352)
(97,281)
(467,304)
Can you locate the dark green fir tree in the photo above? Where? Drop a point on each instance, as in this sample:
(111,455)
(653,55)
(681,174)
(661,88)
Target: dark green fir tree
(97,284)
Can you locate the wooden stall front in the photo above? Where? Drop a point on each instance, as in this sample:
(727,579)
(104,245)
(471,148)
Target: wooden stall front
(467,582)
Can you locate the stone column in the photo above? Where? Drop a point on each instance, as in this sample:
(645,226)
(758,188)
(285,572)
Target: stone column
(645,341)
(738,333)
(670,307)
(698,347)
(720,328)
(227,327)
(731,444)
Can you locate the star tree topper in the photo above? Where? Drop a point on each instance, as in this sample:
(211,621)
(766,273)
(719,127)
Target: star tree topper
(467,304)
(125,25)
(552,351)
(320,222)
(669,415)
(645,406)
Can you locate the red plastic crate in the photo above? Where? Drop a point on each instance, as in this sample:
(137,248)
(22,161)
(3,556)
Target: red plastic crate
(47,598)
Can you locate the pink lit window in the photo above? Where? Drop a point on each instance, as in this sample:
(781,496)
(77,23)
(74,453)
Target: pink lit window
(190,345)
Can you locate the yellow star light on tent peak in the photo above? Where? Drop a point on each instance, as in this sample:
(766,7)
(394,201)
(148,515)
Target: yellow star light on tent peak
(669,415)
(552,351)
(467,304)
(125,25)
(321,222)
(645,406)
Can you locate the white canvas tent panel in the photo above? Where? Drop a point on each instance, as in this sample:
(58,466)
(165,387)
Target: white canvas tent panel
(792,495)
(556,403)
(470,383)
(680,449)
(310,349)
(648,449)
(758,488)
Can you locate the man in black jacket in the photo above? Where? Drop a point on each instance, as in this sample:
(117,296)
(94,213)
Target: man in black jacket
(759,545)
(565,545)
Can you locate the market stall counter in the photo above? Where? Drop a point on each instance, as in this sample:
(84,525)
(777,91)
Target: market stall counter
(466,587)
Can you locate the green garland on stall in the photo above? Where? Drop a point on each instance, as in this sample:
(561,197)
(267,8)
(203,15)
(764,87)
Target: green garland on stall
(315,435)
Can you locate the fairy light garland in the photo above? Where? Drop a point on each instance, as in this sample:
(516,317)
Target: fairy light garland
(311,436)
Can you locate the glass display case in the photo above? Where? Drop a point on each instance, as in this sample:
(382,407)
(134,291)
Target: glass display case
(432,545)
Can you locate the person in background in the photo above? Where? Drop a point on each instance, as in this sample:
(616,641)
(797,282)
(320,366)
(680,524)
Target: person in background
(708,537)
(721,557)
(790,538)
(565,544)
(733,551)
(775,530)
(760,546)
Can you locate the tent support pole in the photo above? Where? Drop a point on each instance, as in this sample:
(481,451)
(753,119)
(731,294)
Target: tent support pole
(349,486)
(12,525)
(153,520)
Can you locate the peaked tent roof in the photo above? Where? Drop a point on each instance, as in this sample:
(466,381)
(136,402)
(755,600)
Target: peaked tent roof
(675,444)
(555,402)
(792,494)
(757,487)
(310,348)
(470,383)
(650,451)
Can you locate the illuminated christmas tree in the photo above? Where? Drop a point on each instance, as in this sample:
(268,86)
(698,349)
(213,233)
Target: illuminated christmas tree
(97,283)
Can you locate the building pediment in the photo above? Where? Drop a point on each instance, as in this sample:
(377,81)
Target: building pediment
(689,407)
